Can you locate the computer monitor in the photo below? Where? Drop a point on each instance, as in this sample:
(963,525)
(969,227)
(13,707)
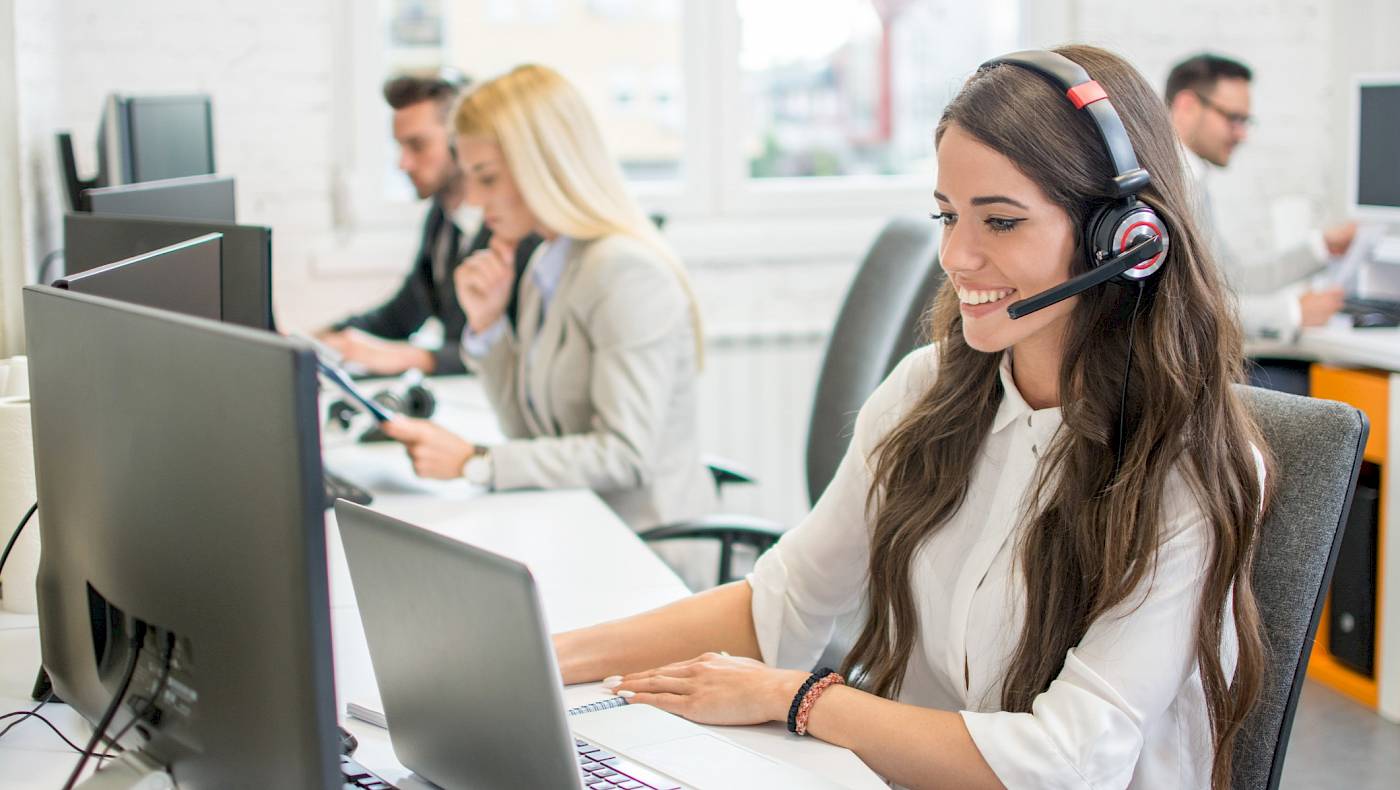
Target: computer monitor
(183,277)
(179,480)
(200,198)
(1375,161)
(147,138)
(91,240)
(74,185)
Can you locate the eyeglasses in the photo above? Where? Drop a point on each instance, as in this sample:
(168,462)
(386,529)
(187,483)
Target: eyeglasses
(1235,118)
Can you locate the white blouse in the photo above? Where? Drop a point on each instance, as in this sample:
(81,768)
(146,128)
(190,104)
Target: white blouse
(1127,709)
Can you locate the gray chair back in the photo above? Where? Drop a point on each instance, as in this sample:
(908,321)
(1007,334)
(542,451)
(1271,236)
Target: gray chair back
(878,324)
(1317,447)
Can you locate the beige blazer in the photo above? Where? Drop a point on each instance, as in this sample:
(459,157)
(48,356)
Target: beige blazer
(601,394)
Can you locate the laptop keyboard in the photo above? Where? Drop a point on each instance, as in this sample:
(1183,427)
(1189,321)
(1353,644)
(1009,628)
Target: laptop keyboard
(602,770)
(358,777)
(338,487)
(1354,306)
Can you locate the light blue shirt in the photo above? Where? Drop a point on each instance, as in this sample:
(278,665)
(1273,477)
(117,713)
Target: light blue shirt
(546,270)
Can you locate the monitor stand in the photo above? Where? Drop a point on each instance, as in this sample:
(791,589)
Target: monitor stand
(43,688)
(73,185)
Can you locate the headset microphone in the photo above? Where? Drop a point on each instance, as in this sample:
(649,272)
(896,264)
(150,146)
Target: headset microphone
(1123,237)
(1142,251)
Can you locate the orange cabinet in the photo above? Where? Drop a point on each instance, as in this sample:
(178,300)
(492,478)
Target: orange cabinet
(1369,391)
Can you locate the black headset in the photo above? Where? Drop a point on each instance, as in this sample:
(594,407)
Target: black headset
(1124,237)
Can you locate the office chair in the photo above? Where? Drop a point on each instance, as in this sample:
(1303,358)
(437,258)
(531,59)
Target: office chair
(1317,447)
(878,324)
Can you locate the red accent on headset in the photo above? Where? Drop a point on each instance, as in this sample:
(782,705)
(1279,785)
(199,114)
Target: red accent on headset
(1123,241)
(1086,93)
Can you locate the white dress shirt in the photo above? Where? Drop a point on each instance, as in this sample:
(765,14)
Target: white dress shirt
(1127,709)
(1267,282)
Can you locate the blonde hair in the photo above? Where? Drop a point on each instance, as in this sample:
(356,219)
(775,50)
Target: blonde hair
(564,170)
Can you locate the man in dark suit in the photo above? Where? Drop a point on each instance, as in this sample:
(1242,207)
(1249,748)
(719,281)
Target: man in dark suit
(376,339)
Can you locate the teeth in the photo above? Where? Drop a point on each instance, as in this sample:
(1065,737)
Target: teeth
(967,296)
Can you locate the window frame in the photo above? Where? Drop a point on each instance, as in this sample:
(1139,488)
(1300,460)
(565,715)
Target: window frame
(714,183)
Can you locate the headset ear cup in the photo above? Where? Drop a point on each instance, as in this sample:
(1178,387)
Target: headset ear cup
(421,402)
(1117,226)
(1098,232)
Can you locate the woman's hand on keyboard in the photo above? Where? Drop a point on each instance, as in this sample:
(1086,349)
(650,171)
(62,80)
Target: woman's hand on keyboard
(715,688)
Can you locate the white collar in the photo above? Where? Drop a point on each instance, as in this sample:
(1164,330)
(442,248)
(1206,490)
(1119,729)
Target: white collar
(466,217)
(1200,168)
(1013,406)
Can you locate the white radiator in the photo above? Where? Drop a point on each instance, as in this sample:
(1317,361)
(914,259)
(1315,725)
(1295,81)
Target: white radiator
(755,403)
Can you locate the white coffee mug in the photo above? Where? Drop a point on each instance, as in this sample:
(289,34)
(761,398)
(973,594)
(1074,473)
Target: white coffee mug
(16,380)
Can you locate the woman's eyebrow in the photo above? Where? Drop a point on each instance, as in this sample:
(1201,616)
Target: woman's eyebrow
(984,200)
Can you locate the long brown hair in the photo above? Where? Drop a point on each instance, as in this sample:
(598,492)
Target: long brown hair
(1092,530)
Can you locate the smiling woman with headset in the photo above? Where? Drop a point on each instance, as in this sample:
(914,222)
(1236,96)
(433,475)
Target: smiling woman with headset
(1047,515)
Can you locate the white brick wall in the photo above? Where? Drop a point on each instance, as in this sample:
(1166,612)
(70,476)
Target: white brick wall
(268,66)
(39,44)
(1302,52)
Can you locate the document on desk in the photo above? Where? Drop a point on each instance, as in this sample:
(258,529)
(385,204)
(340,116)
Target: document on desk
(1348,272)
(371,714)
(366,713)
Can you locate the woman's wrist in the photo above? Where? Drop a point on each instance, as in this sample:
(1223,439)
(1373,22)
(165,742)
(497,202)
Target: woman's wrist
(786,683)
(566,654)
(480,320)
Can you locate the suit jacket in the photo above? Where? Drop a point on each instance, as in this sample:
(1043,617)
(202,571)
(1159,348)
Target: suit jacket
(427,293)
(600,393)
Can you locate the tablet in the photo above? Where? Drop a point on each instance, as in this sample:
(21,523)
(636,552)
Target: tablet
(340,379)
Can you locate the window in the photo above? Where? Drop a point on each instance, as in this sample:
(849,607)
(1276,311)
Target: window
(713,107)
(855,87)
(623,54)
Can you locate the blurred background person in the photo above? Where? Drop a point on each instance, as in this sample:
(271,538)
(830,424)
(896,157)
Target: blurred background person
(595,384)
(1209,99)
(376,340)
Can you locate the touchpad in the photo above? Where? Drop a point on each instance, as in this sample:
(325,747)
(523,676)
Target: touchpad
(706,761)
(687,752)
(630,726)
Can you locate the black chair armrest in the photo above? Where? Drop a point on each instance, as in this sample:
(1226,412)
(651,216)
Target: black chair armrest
(729,530)
(753,528)
(726,471)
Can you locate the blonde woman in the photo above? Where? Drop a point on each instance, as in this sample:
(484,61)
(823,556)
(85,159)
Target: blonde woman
(595,384)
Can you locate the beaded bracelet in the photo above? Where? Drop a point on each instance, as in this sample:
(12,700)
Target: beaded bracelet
(804,711)
(802,692)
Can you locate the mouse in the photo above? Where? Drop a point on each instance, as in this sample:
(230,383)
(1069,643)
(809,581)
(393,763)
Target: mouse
(348,744)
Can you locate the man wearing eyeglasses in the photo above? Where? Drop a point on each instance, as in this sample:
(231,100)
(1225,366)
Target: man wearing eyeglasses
(1209,100)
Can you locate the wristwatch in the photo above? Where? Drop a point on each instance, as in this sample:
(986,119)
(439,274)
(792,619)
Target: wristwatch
(479,468)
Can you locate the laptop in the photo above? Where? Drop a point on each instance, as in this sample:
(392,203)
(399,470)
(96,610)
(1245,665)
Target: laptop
(471,691)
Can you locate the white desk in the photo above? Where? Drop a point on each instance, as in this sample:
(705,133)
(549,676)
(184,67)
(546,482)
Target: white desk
(1339,345)
(564,536)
